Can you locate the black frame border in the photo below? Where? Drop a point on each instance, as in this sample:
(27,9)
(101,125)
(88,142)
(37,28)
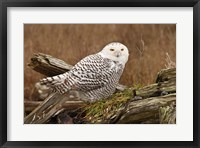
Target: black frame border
(98,3)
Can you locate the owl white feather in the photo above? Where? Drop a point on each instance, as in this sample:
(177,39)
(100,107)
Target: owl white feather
(96,75)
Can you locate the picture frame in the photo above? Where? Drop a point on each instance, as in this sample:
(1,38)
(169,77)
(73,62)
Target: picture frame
(101,3)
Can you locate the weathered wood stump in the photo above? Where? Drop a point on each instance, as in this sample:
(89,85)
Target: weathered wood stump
(167,114)
(145,110)
(154,105)
(48,65)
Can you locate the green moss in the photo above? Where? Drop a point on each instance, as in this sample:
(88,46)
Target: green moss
(137,86)
(104,110)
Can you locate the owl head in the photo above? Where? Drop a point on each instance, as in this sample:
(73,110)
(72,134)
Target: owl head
(116,51)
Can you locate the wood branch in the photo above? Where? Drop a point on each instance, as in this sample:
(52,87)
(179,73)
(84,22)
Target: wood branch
(166,75)
(51,106)
(144,110)
(167,114)
(157,89)
(48,65)
(31,105)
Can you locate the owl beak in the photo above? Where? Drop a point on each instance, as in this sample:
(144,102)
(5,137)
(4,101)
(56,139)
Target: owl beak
(117,54)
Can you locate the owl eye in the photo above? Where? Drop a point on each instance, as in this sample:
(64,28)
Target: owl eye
(122,49)
(111,49)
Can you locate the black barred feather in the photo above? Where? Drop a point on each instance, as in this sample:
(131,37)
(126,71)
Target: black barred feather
(94,75)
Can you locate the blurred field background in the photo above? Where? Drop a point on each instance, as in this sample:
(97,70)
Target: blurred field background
(148,45)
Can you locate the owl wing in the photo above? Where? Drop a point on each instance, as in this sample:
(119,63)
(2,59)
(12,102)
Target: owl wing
(90,73)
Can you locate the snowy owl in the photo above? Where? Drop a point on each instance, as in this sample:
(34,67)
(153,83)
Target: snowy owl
(96,75)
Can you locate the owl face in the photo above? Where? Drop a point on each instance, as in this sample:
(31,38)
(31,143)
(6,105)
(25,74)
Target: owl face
(116,52)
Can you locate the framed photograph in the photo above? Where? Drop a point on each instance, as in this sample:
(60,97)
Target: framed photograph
(105,73)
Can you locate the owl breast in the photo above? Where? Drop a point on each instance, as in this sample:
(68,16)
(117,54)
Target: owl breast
(95,76)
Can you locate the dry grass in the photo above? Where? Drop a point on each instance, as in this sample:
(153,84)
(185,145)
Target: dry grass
(148,45)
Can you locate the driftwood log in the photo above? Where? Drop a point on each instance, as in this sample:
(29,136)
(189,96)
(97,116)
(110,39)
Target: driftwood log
(155,103)
(48,65)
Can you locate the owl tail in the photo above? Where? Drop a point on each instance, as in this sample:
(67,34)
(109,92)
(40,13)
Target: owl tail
(58,83)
